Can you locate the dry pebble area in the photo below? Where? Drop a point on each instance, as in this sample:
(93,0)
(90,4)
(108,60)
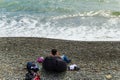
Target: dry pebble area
(97,60)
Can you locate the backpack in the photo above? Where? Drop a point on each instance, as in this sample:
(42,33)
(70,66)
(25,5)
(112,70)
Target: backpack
(32,66)
(32,76)
(29,76)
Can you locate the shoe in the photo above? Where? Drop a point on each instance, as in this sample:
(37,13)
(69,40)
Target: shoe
(76,68)
(73,67)
(68,61)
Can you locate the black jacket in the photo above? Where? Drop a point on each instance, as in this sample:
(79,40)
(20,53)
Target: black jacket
(55,64)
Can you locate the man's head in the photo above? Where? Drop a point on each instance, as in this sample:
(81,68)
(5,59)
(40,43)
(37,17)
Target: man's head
(54,51)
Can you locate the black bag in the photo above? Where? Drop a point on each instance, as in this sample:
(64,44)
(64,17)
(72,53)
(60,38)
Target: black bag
(55,64)
(29,76)
(32,66)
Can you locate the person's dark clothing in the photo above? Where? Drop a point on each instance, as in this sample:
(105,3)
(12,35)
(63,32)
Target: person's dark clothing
(55,64)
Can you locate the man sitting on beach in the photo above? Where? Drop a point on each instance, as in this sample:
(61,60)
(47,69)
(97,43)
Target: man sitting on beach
(54,52)
(54,62)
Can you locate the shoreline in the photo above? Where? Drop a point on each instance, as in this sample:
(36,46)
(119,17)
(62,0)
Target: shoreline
(95,58)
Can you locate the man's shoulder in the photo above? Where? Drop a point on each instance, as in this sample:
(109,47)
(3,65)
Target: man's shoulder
(53,57)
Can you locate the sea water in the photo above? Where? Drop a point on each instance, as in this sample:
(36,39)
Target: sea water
(82,20)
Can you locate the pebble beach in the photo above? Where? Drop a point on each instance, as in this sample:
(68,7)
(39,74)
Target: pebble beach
(98,60)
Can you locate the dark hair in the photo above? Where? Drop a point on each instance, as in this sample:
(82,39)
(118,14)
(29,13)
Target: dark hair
(54,51)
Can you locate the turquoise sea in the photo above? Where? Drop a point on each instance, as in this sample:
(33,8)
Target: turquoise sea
(82,20)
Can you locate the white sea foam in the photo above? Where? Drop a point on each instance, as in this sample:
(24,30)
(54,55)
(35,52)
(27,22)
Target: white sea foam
(102,13)
(91,31)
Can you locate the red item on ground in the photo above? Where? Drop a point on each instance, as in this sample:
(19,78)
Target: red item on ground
(37,77)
